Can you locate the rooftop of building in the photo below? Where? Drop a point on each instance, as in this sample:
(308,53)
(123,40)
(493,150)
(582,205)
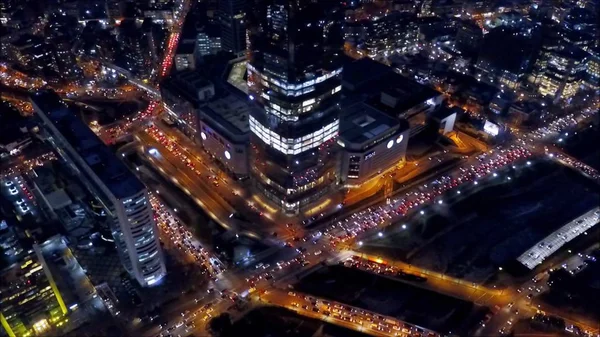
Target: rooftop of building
(13,126)
(185,48)
(526,106)
(470,25)
(445,111)
(186,84)
(572,52)
(230,112)
(408,92)
(192,79)
(362,71)
(360,124)
(373,78)
(111,171)
(27,40)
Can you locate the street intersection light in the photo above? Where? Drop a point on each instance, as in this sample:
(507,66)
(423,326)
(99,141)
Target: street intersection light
(360,243)
(380,234)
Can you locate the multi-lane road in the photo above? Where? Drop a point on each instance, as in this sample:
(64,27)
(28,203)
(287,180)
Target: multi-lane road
(174,162)
(220,196)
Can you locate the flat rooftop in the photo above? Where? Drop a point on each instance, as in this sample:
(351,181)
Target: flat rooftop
(236,76)
(186,84)
(230,112)
(550,244)
(362,71)
(185,48)
(366,76)
(110,170)
(192,79)
(361,124)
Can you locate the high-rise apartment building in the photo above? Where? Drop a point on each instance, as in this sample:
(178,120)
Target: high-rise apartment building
(294,75)
(231,15)
(123,196)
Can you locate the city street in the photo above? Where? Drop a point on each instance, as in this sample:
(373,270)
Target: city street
(236,247)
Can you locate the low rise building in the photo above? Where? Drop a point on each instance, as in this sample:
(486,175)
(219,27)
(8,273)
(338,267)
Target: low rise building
(183,94)
(185,57)
(224,133)
(524,112)
(371,142)
(208,43)
(388,91)
(468,37)
(382,36)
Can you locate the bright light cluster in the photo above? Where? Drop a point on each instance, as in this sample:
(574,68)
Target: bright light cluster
(294,145)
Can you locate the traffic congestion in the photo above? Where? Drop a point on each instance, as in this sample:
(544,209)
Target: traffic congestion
(182,238)
(363,221)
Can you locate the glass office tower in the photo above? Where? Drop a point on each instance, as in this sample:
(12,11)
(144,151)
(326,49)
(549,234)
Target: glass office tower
(294,75)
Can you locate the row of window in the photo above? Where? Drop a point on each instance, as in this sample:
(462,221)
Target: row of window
(294,145)
(288,86)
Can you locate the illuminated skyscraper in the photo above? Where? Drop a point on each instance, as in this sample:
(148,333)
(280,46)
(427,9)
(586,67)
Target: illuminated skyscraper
(294,75)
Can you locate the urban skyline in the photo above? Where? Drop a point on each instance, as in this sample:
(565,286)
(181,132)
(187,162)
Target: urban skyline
(299,168)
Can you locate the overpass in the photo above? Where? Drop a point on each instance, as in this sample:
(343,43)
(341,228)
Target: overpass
(138,83)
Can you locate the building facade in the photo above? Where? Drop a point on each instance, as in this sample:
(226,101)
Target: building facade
(231,15)
(224,133)
(124,198)
(372,143)
(564,73)
(182,95)
(29,298)
(294,75)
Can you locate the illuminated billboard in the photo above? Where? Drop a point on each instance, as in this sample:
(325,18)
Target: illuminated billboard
(491,128)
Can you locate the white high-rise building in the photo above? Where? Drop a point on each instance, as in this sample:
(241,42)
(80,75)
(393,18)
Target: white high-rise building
(123,196)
